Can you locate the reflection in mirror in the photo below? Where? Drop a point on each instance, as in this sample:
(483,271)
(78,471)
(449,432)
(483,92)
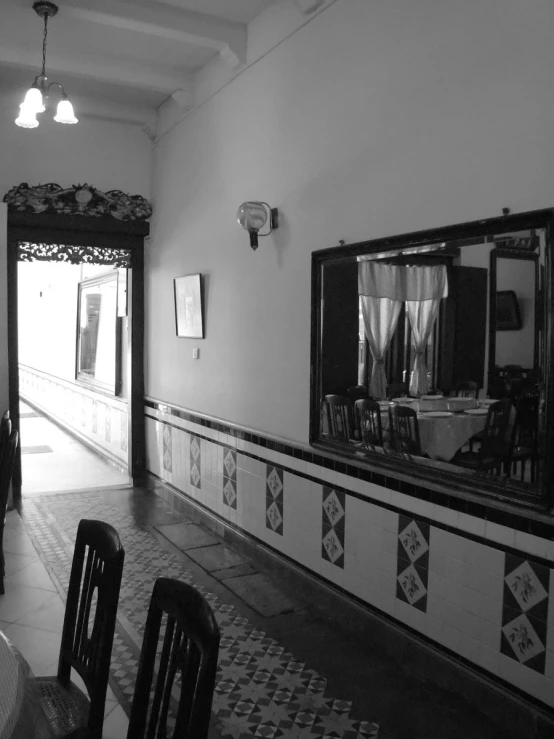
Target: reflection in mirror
(418,361)
(97,337)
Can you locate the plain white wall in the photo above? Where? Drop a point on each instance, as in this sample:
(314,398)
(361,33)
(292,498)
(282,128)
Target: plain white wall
(373,119)
(106,155)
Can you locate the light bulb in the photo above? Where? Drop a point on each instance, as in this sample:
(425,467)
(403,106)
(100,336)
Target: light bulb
(33,100)
(27,118)
(64,113)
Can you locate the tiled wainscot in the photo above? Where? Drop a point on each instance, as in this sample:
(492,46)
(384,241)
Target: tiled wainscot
(99,420)
(479,589)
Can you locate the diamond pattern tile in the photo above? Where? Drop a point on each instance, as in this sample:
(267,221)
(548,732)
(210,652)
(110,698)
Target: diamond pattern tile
(333,527)
(195,462)
(525,612)
(261,689)
(274,499)
(412,562)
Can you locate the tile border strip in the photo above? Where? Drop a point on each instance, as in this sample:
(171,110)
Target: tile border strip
(367,499)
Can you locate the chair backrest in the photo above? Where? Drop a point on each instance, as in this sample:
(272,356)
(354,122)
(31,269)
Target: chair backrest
(467,389)
(404,430)
(340,417)
(368,413)
(90,613)
(7,460)
(5,430)
(397,390)
(190,647)
(494,440)
(526,425)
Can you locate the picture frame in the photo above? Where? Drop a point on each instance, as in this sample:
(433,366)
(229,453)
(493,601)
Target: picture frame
(189,323)
(508,316)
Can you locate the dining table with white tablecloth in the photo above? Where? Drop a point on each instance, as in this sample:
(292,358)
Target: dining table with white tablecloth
(445,424)
(21,714)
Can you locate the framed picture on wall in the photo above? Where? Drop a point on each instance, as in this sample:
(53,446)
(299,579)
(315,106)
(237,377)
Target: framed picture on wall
(508,316)
(188,306)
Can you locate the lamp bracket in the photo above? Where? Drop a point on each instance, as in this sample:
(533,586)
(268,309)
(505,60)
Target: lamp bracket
(45,9)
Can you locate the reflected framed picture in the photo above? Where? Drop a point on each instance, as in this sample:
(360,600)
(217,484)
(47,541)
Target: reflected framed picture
(189,323)
(508,316)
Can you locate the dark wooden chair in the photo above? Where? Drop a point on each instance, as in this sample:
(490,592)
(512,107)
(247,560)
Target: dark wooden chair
(467,389)
(7,460)
(525,438)
(5,430)
(87,634)
(404,431)
(397,390)
(340,417)
(368,414)
(189,647)
(492,452)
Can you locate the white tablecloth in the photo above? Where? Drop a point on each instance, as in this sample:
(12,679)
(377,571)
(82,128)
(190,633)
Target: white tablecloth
(442,437)
(21,715)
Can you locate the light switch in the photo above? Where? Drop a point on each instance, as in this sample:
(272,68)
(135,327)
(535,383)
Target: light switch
(195,352)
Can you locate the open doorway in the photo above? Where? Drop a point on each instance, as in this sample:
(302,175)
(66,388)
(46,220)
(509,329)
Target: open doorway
(104,245)
(73,375)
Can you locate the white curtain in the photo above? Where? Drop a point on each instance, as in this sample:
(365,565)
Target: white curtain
(383,288)
(422,314)
(380,319)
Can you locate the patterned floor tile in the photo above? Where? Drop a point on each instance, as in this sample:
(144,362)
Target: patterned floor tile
(262,690)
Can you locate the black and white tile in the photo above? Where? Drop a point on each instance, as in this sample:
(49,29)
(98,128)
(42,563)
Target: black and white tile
(274,509)
(167,448)
(94,417)
(123,430)
(525,612)
(413,562)
(195,462)
(230,477)
(333,526)
(108,425)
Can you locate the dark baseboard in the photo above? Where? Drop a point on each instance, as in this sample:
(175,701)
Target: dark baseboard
(419,656)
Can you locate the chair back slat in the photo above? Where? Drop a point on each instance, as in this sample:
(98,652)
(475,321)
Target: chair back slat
(496,427)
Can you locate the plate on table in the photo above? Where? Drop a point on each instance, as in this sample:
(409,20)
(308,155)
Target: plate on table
(477,411)
(487,401)
(461,400)
(384,403)
(403,400)
(432,397)
(438,414)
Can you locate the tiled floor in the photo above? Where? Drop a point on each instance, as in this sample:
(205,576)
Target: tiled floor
(52,460)
(287,668)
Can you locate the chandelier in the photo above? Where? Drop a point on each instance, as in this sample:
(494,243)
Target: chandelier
(38,92)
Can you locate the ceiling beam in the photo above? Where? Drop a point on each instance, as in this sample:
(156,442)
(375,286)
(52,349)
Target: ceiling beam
(138,76)
(226,37)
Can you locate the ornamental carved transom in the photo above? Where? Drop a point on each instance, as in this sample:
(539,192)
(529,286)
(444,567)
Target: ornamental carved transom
(30,252)
(77,200)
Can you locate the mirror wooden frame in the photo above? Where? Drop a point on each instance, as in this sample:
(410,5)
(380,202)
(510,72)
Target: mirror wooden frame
(474,487)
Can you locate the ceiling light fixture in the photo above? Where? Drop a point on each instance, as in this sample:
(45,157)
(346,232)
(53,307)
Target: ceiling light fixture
(37,95)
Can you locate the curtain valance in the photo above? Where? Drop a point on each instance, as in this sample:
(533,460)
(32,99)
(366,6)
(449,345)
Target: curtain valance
(402,283)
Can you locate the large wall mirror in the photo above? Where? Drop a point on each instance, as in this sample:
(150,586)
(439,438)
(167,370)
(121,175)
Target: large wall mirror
(431,355)
(98,334)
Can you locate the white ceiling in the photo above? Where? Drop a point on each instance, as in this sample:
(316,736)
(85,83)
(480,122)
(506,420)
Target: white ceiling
(135,52)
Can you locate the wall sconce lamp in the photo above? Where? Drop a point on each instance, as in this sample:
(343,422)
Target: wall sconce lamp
(253,215)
